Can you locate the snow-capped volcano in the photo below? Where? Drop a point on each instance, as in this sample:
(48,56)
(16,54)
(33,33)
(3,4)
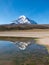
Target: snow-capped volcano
(24,20)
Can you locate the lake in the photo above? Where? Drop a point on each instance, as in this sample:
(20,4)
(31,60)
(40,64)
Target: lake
(23,52)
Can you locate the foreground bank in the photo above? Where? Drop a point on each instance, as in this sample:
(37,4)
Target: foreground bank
(42,37)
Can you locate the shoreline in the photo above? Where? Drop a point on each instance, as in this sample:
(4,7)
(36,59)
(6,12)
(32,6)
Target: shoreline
(42,37)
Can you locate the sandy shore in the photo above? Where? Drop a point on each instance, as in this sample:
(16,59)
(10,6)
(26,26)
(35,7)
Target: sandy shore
(43,37)
(25,34)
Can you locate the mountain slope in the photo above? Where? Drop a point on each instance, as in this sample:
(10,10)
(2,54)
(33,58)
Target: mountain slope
(24,20)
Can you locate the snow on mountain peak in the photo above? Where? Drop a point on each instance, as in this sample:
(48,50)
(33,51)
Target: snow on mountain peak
(22,19)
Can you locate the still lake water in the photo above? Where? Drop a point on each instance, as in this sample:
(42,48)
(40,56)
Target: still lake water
(23,53)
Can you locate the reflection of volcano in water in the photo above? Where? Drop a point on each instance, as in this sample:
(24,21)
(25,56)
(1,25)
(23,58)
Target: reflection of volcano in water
(31,47)
(31,54)
(23,53)
(22,45)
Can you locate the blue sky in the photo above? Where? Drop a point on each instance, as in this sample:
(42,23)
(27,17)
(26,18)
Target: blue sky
(37,10)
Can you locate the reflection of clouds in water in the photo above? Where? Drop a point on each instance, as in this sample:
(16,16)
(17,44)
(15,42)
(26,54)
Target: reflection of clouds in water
(22,45)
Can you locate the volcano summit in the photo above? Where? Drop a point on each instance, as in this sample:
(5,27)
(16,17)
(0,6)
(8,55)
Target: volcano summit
(24,20)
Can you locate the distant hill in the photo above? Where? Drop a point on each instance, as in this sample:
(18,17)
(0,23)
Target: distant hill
(23,26)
